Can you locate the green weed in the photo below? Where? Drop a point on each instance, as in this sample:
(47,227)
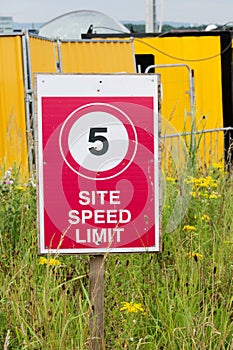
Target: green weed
(179,299)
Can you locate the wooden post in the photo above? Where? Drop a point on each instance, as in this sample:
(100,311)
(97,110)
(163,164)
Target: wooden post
(97,302)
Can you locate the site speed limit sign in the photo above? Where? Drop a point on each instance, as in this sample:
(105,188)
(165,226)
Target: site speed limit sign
(98,163)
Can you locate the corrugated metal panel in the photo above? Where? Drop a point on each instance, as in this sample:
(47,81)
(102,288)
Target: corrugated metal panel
(97,57)
(13,145)
(43,55)
(201,54)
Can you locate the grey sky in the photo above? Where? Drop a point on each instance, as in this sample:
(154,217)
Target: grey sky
(188,11)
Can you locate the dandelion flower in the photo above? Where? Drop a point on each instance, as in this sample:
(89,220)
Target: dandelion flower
(189,228)
(50,261)
(43,260)
(205,217)
(131,307)
(54,262)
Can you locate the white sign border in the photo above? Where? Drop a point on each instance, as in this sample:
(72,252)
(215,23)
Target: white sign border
(61,87)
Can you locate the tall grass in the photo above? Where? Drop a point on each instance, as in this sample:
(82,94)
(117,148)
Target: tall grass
(179,299)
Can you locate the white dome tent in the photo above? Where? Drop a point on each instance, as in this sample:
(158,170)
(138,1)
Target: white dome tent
(72,25)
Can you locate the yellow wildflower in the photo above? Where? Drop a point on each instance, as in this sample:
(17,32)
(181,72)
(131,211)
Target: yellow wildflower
(204,195)
(195,255)
(193,194)
(20,188)
(50,261)
(189,228)
(214,195)
(43,260)
(189,180)
(171,179)
(131,307)
(202,182)
(53,262)
(218,166)
(205,217)
(214,184)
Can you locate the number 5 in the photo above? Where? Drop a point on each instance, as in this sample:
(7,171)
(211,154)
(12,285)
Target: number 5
(93,137)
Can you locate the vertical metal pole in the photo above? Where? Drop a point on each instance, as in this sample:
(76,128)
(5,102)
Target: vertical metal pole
(193,112)
(151,17)
(28,98)
(59,63)
(97,302)
(154,16)
(191,95)
(191,79)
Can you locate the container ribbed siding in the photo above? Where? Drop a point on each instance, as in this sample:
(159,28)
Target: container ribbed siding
(209,57)
(207,54)
(21,57)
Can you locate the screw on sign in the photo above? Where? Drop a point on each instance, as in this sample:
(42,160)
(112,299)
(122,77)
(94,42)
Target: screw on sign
(98,163)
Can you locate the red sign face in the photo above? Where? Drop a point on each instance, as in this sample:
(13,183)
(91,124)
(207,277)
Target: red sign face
(98,174)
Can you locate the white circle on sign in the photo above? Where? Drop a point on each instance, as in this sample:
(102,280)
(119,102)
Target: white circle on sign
(98,141)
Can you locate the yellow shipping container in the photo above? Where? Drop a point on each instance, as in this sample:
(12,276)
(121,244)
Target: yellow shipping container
(202,55)
(21,56)
(183,58)
(100,56)
(43,55)
(195,75)
(196,87)
(13,144)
